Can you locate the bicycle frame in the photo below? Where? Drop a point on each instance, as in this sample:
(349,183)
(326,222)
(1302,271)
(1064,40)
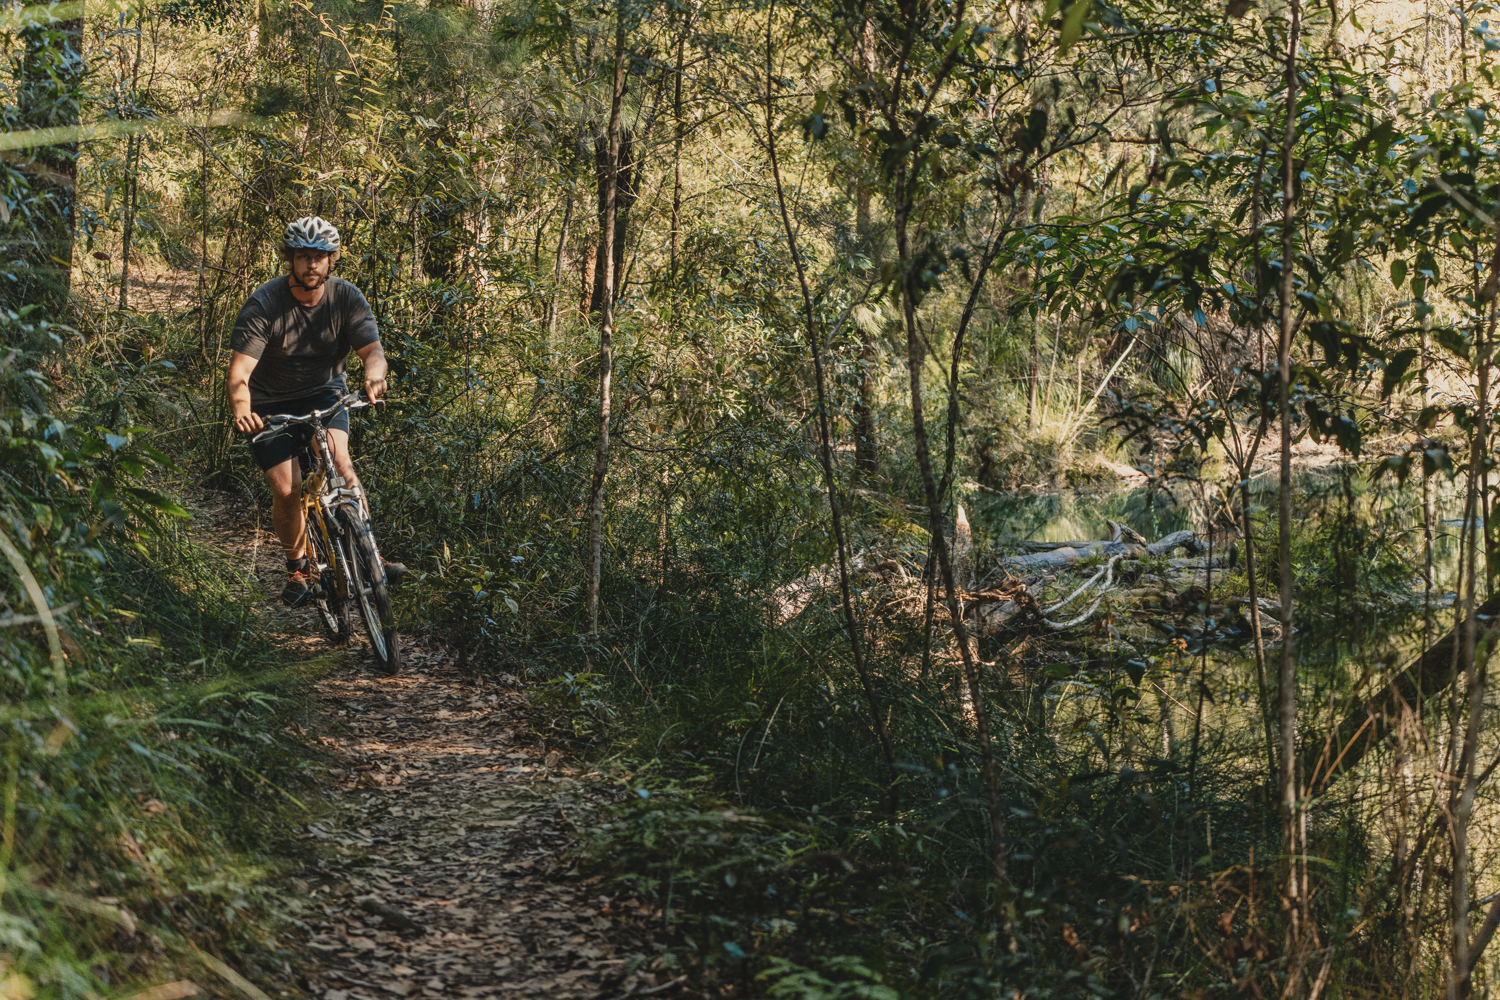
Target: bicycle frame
(323,492)
(336,534)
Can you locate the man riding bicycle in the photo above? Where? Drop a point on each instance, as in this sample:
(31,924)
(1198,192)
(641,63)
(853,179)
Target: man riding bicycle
(291,340)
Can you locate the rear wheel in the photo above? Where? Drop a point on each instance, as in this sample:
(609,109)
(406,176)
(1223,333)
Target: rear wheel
(333,609)
(367,574)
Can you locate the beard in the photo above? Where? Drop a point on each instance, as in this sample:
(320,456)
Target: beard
(310,279)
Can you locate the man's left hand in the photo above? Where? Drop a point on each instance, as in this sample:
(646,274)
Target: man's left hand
(375,388)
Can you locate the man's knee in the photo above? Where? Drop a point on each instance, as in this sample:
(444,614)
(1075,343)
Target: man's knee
(342,463)
(285,487)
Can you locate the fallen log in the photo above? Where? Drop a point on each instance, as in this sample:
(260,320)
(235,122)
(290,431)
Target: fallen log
(1061,555)
(1330,756)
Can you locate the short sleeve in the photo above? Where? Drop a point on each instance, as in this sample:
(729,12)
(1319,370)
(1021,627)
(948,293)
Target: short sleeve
(251,329)
(359,320)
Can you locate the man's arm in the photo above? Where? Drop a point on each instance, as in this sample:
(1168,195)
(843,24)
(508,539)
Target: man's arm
(374,358)
(240,367)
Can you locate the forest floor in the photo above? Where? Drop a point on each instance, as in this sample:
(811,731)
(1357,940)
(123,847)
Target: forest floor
(443,862)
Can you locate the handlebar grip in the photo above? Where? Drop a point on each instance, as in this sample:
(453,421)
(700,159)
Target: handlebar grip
(274,425)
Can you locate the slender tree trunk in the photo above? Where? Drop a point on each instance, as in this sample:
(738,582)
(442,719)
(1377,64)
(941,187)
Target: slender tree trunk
(1429,507)
(132,160)
(1033,377)
(617,172)
(1294,899)
(677,134)
(825,450)
(557,269)
(1464,811)
(866,448)
(48,96)
(606,329)
(203,253)
(132,170)
(1262,680)
(915,355)
(1463,961)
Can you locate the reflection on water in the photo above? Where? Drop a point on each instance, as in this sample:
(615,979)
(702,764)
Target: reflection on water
(1358,558)
(1068,515)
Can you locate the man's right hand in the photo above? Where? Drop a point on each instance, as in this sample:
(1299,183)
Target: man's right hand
(249,423)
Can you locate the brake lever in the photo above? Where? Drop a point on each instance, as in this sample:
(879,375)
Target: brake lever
(270,429)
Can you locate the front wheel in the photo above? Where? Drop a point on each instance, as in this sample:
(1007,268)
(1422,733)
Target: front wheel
(333,609)
(367,577)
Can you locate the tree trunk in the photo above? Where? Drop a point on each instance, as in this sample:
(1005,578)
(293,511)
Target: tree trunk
(866,447)
(1033,376)
(203,253)
(1463,810)
(915,355)
(618,174)
(1294,899)
(687,17)
(132,160)
(586,278)
(825,454)
(606,327)
(48,96)
(562,247)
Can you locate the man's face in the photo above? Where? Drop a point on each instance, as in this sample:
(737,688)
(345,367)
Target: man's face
(311,267)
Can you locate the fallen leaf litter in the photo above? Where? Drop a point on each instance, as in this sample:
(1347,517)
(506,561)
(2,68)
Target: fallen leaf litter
(444,871)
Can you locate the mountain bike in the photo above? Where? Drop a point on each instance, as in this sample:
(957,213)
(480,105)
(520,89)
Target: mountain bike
(346,563)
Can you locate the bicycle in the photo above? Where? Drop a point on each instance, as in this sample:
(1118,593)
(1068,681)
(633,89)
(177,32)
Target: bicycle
(341,543)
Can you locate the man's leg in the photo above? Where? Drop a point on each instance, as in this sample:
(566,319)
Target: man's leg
(287,518)
(338,443)
(285,481)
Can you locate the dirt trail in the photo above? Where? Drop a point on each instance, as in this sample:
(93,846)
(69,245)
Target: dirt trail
(443,871)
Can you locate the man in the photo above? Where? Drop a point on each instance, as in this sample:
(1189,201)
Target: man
(290,342)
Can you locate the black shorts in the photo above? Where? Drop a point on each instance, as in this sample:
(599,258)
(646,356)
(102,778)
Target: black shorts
(291,442)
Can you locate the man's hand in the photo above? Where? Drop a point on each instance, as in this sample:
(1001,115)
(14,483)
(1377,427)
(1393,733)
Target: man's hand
(249,423)
(373,355)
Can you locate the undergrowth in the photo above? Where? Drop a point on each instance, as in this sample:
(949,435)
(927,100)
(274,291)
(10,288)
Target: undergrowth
(150,778)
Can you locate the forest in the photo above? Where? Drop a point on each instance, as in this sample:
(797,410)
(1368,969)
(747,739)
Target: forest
(903,499)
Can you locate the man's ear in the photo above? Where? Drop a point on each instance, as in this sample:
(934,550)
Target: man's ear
(336,255)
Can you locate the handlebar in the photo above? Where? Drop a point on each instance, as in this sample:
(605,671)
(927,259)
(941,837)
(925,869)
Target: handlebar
(277,423)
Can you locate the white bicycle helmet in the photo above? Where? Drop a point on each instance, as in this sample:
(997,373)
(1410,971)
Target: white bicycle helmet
(311,232)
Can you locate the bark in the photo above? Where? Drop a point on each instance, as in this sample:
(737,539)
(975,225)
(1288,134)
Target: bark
(606,328)
(1033,377)
(1463,811)
(586,277)
(1262,681)
(48,96)
(677,142)
(825,451)
(132,162)
(1465,955)
(866,448)
(618,176)
(557,268)
(203,253)
(1429,506)
(1294,898)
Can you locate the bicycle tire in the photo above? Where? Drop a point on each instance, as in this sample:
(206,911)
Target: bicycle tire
(367,574)
(333,610)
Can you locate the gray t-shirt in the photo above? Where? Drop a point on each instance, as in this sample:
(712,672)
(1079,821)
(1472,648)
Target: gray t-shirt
(301,348)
